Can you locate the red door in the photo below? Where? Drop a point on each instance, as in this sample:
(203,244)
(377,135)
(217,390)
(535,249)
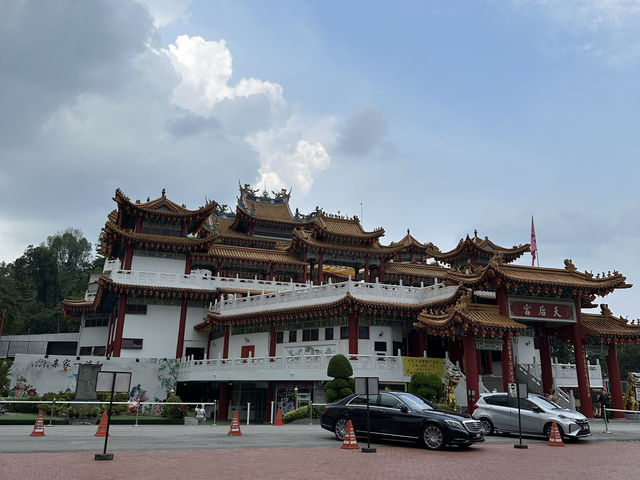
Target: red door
(248,351)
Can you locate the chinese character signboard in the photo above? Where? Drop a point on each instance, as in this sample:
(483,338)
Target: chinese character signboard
(489,344)
(541,310)
(425,365)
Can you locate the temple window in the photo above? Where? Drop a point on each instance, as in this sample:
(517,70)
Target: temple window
(132,343)
(344,333)
(279,337)
(310,335)
(293,336)
(328,333)
(363,333)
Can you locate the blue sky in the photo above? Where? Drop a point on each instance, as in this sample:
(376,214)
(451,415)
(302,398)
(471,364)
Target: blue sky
(442,116)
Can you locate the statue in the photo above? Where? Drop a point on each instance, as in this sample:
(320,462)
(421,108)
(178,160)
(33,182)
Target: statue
(569,266)
(453,378)
(631,400)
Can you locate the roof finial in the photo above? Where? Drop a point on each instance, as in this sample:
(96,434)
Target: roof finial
(164,192)
(408,232)
(475,233)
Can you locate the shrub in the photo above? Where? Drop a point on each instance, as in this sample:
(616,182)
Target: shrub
(303,412)
(428,386)
(118,397)
(174,411)
(341,386)
(339,367)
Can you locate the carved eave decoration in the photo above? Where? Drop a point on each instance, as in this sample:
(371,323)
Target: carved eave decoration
(466,317)
(301,238)
(482,248)
(164,209)
(113,236)
(341,229)
(75,308)
(605,328)
(525,280)
(249,255)
(107,284)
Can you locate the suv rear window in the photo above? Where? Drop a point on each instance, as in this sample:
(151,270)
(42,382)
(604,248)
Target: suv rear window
(498,400)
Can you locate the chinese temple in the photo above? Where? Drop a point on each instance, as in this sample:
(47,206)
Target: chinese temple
(254,301)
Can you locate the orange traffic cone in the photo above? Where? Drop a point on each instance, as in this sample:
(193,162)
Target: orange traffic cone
(278,420)
(350,442)
(102,428)
(555,439)
(235,425)
(38,428)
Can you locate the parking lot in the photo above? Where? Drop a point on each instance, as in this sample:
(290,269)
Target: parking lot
(301,451)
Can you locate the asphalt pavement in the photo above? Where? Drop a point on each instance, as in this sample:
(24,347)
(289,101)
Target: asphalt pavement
(80,438)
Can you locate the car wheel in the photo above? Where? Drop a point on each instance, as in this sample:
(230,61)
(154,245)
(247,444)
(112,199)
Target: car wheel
(433,437)
(547,430)
(487,426)
(340,428)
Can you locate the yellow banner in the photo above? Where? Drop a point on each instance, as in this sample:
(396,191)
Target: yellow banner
(426,365)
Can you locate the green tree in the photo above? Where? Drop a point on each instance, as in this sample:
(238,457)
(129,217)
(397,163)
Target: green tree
(428,386)
(342,385)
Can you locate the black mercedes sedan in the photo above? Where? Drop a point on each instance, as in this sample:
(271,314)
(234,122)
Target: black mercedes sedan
(401,416)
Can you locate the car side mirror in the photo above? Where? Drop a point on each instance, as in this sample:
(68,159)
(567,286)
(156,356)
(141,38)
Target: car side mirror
(403,408)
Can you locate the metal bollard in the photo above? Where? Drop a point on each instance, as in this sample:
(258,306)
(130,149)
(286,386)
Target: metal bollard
(137,411)
(248,411)
(53,402)
(606,421)
(310,413)
(272,412)
(215,404)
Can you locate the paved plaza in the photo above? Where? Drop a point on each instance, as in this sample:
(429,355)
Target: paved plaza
(301,451)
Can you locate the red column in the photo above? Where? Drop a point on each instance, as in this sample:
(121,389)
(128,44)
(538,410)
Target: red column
(225,349)
(508,373)
(614,380)
(223,407)
(272,339)
(381,271)
(545,362)
(122,309)
(367,277)
(187,265)
(353,332)
(488,362)
(138,227)
(128,258)
(183,230)
(422,335)
(219,268)
(183,321)
(208,345)
(304,274)
(471,369)
(320,272)
(582,369)
(271,272)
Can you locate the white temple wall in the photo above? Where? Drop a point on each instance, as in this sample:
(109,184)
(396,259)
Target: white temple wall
(145,263)
(92,337)
(158,329)
(195,315)
(259,340)
(524,350)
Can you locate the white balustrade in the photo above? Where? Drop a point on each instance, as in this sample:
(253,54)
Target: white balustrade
(296,367)
(318,294)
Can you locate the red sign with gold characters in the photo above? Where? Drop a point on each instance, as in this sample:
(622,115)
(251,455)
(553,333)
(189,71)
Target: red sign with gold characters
(529,309)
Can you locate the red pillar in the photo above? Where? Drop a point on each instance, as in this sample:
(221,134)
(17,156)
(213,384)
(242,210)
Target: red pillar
(488,363)
(471,369)
(508,373)
(614,380)
(320,272)
(138,227)
(219,268)
(272,339)
(128,258)
(367,277)
(208,345)
(545,362)
(187,265)
(381,271)
(223,407)
(181,326)
(582,369)
(271,272)
(122,309)
(422,335)
(183,230)
(225,348)
(353,332)
(304,274)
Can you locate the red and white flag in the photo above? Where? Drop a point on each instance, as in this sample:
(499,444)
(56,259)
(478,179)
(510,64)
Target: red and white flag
(534,245)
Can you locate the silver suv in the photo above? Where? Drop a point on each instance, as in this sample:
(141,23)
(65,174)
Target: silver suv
(499,412)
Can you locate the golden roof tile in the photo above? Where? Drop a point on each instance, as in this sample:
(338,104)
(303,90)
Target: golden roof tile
(483,246)
(606,325)
(258,255)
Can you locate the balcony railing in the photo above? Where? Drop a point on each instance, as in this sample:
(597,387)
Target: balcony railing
(318,294)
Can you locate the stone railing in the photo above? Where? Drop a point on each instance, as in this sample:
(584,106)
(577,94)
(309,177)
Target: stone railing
(565,374)
(284,368)
(199,281)
(317,294)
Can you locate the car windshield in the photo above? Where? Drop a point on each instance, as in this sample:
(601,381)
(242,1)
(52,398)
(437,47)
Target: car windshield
(545,402)
(415,403)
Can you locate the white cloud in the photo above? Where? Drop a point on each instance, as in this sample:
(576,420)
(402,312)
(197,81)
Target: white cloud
(604,28)
(205,68)
(165,12)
